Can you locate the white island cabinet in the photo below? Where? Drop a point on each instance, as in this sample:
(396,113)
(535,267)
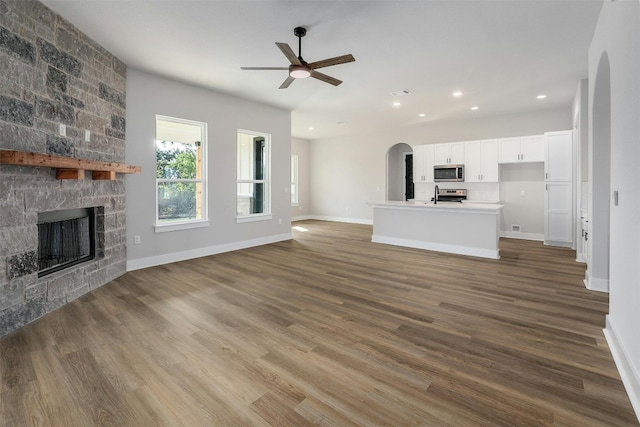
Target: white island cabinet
(459,228)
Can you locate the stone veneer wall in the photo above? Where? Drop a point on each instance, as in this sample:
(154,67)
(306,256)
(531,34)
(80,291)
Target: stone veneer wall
(52,74)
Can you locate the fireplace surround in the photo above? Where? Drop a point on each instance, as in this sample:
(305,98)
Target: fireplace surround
(53,75)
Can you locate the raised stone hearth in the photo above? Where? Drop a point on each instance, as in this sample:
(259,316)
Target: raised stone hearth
(52,74)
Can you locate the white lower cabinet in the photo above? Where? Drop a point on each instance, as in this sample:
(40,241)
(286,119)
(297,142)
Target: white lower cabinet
(558,210)
(481,161)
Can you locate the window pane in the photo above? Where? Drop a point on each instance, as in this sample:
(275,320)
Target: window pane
(177,201)
(176,160)
(251,198)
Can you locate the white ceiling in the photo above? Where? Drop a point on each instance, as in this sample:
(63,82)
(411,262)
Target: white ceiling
(501,54)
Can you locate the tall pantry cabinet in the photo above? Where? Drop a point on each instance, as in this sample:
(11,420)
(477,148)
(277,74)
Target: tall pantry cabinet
(559,193)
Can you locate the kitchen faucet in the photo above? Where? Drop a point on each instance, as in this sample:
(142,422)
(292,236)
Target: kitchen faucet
(435,195)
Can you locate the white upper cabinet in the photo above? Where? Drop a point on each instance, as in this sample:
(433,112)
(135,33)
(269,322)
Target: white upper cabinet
(558,163)
(521,149)
(532,148)
(451,153)
(423,163)
(481,161)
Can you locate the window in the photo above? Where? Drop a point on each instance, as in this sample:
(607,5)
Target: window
(294,179)
(253,186)
(180,173)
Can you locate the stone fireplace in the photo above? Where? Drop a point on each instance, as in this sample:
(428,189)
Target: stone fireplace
(51,75)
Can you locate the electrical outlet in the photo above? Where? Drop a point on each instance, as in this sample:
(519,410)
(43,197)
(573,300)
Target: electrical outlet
(87,135)
(137,240)
(515,227)
(522,193)
(280,221)
(63,129)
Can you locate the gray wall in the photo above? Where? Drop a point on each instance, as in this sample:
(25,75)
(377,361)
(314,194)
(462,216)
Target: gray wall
(52,74)
(149,95)
(348,172)
(301,148)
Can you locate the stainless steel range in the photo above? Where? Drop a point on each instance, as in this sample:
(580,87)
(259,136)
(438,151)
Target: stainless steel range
(451,195)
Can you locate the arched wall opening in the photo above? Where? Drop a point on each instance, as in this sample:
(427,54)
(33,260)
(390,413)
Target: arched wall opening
(399,172)
(600,180)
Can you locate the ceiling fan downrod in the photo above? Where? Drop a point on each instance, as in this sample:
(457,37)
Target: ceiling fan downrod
(300,32)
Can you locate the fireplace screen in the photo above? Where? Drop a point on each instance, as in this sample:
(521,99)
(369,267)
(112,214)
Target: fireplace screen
(65,238)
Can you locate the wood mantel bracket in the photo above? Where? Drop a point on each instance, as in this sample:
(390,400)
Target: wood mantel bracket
(67,167)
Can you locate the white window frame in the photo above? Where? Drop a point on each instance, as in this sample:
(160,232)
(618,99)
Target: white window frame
(266,214)
(162,227)
(295,195)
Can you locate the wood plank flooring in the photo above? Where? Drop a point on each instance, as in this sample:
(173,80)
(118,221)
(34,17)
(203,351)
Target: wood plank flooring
(327,329)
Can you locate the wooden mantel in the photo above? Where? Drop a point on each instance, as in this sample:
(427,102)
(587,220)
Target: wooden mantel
(67,167)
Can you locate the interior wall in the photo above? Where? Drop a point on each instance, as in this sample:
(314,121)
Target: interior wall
(301,148)
(148,95)
(600,184)
(360,160)
(522,192)
(618,34)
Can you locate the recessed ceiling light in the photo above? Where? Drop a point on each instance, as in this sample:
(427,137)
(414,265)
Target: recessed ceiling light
(474,108)
(421,115)
(310,127)
(457,94)
(342,123)
(543,96)
(396,104)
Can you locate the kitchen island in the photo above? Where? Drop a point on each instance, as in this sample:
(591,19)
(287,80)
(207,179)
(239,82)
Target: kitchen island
(459,228)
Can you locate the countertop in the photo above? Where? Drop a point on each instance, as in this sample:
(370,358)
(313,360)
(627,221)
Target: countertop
(442,206)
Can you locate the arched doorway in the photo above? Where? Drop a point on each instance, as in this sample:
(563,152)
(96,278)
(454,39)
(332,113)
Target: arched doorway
(600,180)
(400,172)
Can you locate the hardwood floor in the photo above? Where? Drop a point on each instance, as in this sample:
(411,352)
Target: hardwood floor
(326,329)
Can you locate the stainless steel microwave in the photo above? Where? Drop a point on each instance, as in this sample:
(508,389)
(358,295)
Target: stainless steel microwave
(448,173)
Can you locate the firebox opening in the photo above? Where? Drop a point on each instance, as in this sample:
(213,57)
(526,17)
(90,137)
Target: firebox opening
(65,238)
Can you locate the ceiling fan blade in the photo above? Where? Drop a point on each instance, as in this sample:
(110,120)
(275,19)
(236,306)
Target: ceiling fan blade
(285,84)
(288,52)
(325,78)
(264,68)
(332,61)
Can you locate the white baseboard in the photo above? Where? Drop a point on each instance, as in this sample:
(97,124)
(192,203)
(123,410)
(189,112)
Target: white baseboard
(596,284)
(341,219)
(628,372)
(300,218)
(440,247)
(137,264)
(519,235)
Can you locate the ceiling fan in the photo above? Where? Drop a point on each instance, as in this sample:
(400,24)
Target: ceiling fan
(299,68)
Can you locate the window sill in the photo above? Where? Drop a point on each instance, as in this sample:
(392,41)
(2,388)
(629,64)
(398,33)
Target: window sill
(295,204)
(164,228)
(254,217)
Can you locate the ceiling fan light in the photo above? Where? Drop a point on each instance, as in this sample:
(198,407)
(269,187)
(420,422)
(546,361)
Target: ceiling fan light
(299,72)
